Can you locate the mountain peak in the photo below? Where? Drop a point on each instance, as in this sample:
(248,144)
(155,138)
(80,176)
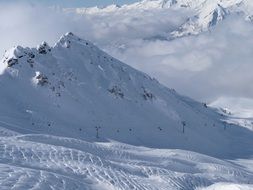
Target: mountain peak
(69,38)
(43,48)
(208,13)
(74,86)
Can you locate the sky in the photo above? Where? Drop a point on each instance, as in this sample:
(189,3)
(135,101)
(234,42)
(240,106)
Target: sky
(74,3)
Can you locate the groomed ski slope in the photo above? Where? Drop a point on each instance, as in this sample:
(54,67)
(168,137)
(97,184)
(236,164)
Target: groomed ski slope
(50,162)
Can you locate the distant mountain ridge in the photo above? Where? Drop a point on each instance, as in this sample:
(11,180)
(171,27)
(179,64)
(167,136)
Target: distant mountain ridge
(207,13)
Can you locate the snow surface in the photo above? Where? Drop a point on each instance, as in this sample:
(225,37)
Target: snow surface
(238,110)
(68,111)
(225,186)
(50,162)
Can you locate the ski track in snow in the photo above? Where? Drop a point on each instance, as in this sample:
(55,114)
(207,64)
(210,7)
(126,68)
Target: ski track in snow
(50,162)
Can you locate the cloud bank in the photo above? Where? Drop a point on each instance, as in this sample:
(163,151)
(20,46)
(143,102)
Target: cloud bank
(207,66)
(212,65)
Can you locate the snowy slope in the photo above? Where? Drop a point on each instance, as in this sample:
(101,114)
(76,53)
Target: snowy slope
(67,110)
(50,162)
(204,14)
(76,90)
(238,110)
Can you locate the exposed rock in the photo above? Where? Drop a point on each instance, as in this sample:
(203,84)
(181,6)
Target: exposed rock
(147,95)
(12,61)
(116,91)
(41,79)
(43,48)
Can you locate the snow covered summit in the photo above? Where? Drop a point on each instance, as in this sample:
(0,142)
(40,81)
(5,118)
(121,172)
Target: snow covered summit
(202,14)
(74,89)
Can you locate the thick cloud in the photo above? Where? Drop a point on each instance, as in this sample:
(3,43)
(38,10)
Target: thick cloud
(26,24)
(212,65)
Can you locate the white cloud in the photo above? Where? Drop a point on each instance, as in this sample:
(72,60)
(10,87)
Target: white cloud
(214,64)
(26,25)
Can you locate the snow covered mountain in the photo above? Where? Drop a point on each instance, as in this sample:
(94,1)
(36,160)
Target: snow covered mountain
(209,13)
(63,108)
(76,90)
(204,13)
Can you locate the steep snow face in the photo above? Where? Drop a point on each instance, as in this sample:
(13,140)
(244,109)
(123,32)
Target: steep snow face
(206,13)
(76,90)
